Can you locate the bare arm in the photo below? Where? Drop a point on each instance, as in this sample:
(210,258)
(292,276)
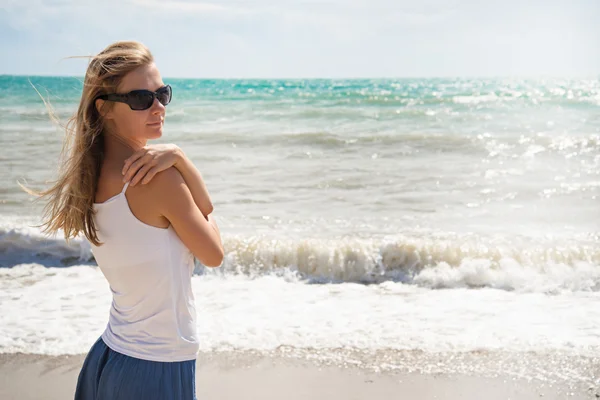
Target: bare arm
(199,233)
(195,183)
(211,220)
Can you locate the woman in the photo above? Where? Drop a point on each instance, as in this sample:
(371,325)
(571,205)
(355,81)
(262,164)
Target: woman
(146,212)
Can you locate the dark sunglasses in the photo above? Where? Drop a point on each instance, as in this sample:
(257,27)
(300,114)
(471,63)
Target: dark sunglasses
(141,99)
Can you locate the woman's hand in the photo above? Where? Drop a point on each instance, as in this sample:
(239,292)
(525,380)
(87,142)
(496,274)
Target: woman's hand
(148,161)
(151,159)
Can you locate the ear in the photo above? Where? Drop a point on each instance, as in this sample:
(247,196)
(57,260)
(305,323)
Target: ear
(102,109)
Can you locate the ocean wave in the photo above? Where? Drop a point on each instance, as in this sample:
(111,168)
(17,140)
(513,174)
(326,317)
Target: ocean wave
(434,261)
(413,141)
(26,244)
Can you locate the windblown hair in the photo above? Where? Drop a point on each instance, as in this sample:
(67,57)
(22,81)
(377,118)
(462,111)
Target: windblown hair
(71,198)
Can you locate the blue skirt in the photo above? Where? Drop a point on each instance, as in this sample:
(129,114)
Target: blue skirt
(107,374)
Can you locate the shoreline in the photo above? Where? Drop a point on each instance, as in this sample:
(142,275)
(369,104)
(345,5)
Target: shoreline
(31,376)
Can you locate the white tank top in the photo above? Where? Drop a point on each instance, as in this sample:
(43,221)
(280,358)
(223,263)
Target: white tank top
(149,271)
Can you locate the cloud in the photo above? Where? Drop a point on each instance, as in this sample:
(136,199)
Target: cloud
(310,38)
(186,7)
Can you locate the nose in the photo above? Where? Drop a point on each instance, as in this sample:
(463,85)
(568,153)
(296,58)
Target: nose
(157,107)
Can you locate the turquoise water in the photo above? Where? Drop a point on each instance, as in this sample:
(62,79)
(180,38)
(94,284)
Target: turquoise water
(511,166)
(406,148)
(466,106)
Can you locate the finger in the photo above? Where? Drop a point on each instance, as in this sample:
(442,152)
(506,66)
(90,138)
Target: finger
(133,169)
(131,159)
(150,175)
(140,175)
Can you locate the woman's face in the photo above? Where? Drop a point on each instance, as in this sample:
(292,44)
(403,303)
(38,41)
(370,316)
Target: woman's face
(138,125)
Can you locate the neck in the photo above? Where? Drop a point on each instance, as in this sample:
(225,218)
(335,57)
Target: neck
(119,148)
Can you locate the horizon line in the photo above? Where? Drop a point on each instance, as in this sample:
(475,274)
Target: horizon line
(514,76)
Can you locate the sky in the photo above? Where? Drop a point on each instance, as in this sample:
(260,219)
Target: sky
(310,39)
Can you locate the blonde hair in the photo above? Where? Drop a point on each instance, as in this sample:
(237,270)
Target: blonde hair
(71,198)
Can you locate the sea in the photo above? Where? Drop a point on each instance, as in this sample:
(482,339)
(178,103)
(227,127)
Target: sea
(422,225)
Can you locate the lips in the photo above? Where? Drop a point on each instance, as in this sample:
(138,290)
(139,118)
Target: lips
(157,123)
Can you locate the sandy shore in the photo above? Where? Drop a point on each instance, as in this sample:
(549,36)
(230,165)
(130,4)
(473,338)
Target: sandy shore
(237,377)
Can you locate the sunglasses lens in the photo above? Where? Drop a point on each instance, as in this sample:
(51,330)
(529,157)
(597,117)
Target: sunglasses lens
(164,95)
(141,100)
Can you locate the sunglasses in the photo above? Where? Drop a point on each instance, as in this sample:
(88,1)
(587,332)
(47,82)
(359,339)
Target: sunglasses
(141,99)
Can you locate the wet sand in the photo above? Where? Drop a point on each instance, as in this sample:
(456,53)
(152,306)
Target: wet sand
(25,377)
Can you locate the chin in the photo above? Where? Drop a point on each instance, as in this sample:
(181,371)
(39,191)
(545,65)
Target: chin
(155,134)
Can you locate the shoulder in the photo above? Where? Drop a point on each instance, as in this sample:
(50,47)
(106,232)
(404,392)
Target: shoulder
(169,191)
(170,178)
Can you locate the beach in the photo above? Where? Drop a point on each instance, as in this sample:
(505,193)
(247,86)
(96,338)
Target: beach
(243,376)
(384,238)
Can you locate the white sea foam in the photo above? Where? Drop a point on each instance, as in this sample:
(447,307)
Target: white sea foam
(440,260)
(62,310)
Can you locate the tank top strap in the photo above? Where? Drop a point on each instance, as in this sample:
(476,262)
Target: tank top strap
(125,187)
